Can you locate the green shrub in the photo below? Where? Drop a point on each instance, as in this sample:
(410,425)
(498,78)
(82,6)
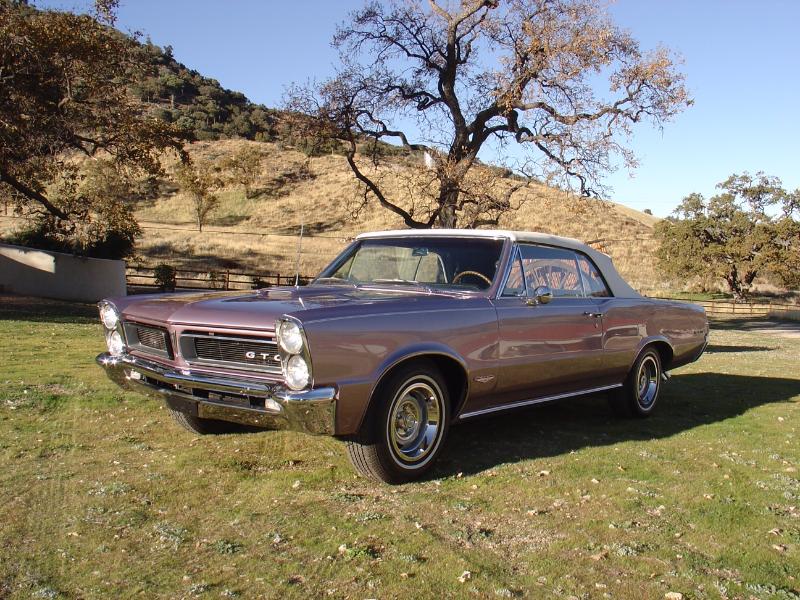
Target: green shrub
(165,276)
(259,283)
(216,280)
(97,242)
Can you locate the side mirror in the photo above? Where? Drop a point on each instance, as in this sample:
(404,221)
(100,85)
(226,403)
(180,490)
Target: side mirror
(541,295)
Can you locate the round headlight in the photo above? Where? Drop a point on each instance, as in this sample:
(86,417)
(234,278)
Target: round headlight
(290,337)
(109,316)
(115,344)
(297,375)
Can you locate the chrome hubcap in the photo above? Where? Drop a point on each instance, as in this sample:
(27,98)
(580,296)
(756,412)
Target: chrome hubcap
(647,382)
(414,422)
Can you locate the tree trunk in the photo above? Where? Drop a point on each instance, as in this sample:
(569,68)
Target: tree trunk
(735,285)
(448,199)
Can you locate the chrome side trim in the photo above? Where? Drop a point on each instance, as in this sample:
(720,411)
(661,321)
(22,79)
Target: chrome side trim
(520,404)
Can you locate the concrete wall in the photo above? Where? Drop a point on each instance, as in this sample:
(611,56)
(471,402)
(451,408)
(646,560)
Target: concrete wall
(30,272)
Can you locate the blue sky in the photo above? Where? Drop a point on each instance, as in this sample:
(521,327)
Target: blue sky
(742,62)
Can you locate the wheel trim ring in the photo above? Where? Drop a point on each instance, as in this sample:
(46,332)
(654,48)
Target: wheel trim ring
(647,382)
(415,449)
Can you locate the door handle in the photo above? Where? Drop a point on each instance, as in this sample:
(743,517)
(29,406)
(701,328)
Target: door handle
(596,315)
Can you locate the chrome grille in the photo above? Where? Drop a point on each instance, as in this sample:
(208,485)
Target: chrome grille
(152,338)
(243,351)
(147,339)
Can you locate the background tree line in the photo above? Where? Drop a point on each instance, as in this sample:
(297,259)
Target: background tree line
(749,229)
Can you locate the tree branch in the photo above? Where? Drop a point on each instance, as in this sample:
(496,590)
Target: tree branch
(32,194)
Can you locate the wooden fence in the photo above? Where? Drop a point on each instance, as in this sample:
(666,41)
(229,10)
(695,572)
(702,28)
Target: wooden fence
(141,278)
(727,308)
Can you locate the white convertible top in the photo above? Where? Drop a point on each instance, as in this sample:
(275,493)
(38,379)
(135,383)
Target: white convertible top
(618,286)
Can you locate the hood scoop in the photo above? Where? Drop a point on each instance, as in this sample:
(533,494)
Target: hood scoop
(278,294)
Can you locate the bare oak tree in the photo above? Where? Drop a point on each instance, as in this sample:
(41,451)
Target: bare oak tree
(549,88)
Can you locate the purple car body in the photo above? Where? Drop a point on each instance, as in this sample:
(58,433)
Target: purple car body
(544,319)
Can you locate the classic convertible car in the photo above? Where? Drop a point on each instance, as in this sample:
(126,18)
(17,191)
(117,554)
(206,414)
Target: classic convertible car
(404,334)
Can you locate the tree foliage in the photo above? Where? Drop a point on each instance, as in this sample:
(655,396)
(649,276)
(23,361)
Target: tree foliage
(199,106)
(199,182)
(749,228)
(243,168)
(451,79)
(64,92)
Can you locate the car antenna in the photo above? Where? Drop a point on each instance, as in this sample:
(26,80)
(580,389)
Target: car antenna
(297,264)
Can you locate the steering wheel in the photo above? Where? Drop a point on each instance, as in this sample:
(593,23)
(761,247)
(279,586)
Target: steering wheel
(475,273)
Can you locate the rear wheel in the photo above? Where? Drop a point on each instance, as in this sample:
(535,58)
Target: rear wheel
(204,426)
(406,431)
(639,395)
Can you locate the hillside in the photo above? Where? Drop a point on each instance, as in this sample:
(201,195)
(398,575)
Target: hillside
(260,234)
(318,192)
(199,105)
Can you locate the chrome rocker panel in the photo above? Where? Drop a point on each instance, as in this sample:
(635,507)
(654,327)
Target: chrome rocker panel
(310,411)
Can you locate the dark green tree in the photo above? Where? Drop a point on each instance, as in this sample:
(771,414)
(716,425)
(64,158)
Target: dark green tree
(748,229)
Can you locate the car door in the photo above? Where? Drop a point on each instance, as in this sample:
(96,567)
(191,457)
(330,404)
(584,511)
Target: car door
(548,348)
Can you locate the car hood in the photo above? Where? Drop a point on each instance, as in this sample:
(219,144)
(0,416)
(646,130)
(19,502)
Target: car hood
(259,310)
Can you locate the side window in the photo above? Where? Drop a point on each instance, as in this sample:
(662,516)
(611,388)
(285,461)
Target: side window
(515,284)
(595,286)
(555,268)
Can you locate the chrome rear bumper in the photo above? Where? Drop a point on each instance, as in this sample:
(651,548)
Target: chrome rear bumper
(250,402)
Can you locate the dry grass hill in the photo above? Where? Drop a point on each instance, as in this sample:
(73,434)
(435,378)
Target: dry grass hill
(260,234)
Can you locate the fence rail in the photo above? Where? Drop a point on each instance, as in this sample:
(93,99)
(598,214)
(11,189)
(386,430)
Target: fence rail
(186,279)
(726,308)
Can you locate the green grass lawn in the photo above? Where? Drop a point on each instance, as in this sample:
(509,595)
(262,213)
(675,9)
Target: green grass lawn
(101,495)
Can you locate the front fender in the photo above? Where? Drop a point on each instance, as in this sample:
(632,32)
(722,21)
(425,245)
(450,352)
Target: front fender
(355,353)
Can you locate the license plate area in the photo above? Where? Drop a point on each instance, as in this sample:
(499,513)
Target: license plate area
(233,399)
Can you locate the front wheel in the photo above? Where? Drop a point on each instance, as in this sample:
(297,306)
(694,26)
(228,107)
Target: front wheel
(406,431)
(639,395)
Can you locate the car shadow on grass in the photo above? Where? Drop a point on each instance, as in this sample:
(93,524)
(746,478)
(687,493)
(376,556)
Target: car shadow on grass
(719,348)
(554,429)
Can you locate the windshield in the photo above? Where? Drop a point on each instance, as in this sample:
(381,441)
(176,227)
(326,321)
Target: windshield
(465,263)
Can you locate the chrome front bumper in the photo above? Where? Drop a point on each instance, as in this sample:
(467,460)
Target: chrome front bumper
(250,402)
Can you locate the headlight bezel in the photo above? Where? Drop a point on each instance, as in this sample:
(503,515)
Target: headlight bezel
(116,348)
(107,308)
(293,363)
(290,336)
(303,352)
(115,342)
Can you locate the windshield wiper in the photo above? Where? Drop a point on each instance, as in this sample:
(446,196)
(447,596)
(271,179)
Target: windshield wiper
(333,280)
(396,280)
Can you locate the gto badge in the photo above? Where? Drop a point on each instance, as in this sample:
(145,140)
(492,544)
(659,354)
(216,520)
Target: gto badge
(262,355)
